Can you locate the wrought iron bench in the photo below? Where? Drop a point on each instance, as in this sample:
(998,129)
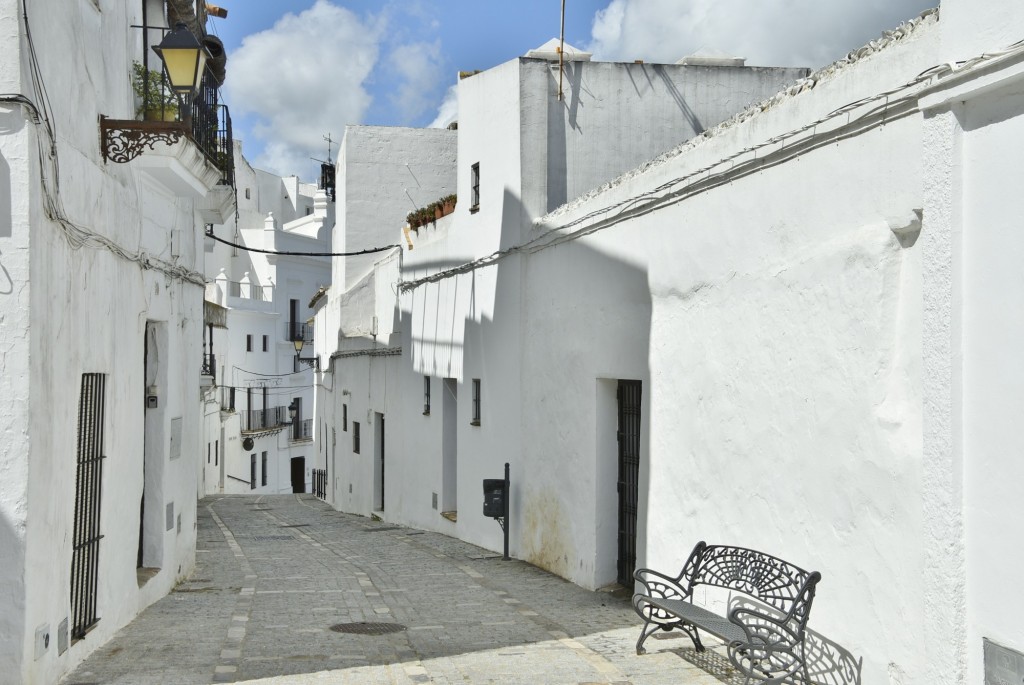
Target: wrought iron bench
(765,639)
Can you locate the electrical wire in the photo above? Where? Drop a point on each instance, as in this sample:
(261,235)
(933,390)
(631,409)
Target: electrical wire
(268,375)
(372,250)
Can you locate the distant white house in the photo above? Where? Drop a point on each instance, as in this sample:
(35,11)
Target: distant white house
(101,299)
(259,426)
(796,331)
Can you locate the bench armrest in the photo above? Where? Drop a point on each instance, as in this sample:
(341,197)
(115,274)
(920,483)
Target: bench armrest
(657,584)
(771,647)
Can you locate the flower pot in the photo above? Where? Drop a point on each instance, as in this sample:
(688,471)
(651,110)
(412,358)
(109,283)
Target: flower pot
(158,114)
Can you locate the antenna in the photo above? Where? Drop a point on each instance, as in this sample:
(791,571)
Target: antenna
(329,142)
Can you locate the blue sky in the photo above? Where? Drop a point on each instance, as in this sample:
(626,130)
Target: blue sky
(298,69)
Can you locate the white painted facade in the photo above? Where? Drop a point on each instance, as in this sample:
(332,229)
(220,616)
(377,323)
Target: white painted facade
(821,308)
(267,299)
(117,290)
(533,152)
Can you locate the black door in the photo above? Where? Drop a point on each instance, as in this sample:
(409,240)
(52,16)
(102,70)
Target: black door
(298,474)
(629,477)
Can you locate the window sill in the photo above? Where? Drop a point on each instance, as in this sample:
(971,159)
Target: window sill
(426,413)
(474,423)
(474,209)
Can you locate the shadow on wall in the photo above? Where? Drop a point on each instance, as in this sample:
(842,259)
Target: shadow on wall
(828,663)
(12,596)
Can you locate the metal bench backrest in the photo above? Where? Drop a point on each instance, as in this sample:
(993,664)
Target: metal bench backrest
(787,588)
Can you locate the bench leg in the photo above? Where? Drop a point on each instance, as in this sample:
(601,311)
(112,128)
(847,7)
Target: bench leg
(694,636)
(645,633)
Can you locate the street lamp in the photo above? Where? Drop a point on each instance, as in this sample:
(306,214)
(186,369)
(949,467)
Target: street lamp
(313,362)
(293,409)
(184,59)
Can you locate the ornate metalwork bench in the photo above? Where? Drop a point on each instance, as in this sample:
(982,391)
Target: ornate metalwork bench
(765,638)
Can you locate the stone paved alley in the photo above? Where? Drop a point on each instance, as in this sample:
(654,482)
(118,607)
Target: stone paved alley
(274,574)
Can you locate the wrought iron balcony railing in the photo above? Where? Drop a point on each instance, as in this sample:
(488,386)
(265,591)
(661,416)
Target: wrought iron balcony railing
(294,330)
(165,118)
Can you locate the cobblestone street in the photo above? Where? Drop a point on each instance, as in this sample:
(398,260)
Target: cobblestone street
(275,574)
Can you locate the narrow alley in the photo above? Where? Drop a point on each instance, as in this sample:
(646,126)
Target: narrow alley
(287,590)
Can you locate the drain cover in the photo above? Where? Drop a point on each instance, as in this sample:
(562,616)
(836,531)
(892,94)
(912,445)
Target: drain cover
(368,628)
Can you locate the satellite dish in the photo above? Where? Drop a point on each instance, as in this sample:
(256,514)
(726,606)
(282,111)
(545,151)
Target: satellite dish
(248,443)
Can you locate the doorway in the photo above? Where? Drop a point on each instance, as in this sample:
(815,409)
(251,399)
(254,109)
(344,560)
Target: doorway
(449,445)
(628,396)
(298,475)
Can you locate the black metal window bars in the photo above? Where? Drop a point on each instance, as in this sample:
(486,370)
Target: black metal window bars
(85,557)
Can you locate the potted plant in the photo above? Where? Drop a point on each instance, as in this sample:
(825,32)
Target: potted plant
(438,209)
(157,101)
(413,218)
(448,203)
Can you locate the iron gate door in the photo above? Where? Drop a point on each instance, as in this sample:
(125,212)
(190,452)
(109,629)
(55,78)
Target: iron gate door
(629,477)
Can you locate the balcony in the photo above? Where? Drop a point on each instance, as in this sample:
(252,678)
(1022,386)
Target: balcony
(302,430)
(209,369)
(254,420)
(227,398)
(186,146)
(294,330)
(251,291)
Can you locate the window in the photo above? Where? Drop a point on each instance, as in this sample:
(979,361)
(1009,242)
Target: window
(263,479)
(247,195)
(426,395)
(252,471)
(474,184)
(216,452)
(355,437)
(88,491)
(248,343)
(476,402)
(344,417)
(266,343)
(208,453)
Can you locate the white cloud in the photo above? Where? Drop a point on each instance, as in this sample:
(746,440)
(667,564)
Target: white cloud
(302,79)
(448,111)
(809,33)
(419,69)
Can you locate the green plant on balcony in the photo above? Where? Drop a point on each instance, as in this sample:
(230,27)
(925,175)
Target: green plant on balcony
(157,102)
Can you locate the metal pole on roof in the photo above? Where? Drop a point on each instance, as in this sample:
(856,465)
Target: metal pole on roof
(561,49)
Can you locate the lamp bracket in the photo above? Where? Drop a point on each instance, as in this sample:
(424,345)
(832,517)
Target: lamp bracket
(122,140)
(312,362)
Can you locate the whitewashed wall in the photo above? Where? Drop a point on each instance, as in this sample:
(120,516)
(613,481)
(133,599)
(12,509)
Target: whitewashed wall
(784,398)
(972,375)
(383,173)
(86,312)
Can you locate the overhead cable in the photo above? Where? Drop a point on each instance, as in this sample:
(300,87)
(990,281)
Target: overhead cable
(372,250)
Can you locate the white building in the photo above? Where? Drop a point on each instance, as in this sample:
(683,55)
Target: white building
(101,298)
(520,153)
(254,445)
(817,304)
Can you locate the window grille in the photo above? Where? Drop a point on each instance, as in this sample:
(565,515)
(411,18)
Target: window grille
(252,471)
(426,395)
(344,417)
(474,184)
(85,556)
(476,402)
(355,437)
(263,479)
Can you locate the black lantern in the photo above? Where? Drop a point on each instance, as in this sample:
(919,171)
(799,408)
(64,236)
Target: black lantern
(184,59)
(313,362)
(292,411)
